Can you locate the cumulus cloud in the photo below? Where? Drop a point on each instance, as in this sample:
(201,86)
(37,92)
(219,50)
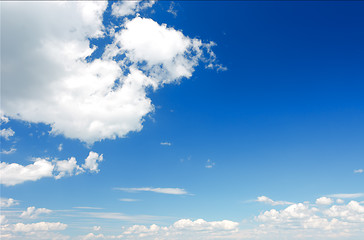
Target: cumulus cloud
(173,191)
(267,200)
(8,202)
(324,201)
(125,8)
(79,96)
(33,212)
(7,133)
(40,226)
(14,173)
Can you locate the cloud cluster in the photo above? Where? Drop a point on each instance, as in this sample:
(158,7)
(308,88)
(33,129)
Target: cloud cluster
(269,201)
(13,173)
(8,202)
(181,229)
(33,213)
(78,95)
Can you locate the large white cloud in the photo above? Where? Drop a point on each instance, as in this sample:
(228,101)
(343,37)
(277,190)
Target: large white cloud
(87,100)
(14,173)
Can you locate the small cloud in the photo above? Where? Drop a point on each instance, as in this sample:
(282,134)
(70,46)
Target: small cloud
(171,9)
(324,201)
(33,212)
(10,151)
(339,201)
(128,200)
(358,171)
(8,202)
(347,195)
(166,143)
(173,191)
(96,228)
(91,208)
(209,164)
(7,133)
(267,200)
(60,147)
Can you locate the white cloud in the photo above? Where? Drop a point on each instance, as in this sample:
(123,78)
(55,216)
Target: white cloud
(88,100)
(128,200)
(3,220)
(13,173)
(40,226)
(125,8)
(8,202)
(339,201)
(10,151)
(358,171)
(324,201)
(166,143)
(96,228)
(33,213)
(267,200)
(60,147)
(7,133)
(92,162)
(172,10)
(174,191)
(347,195)
(209,164)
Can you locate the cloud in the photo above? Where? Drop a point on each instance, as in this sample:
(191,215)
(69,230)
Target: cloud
(40,226)
(166,143)
(173,191)
(172,10)
(358,171)
(13,173)
(33,213)
(8,202)
(209,164)
(60,147)
(267,200)
(129,200)
(347,195)
(77,95)
(94,208)
(7,133)
(91,162)
(125,8)
(324,201)
(96,228)
(10,151)
(181,229)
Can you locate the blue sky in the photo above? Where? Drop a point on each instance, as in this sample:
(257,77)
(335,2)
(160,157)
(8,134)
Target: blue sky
(182,120)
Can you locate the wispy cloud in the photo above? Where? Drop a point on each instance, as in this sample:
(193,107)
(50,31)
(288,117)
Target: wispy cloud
(94,208)
(8,202)
(173,191)
(209,164)
(166,143)
(347,195)
(358,171)
(60,147)
(129,200)
(10,151)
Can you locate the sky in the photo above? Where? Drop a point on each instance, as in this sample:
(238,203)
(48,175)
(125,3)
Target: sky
(182,120)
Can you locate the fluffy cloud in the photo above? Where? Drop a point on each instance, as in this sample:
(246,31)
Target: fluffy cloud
(324,201)
(7,133)
(65,87)
(33,212)
(13,173)
(267,200)
(173,191)
(8,202)
(40,226)
(125,8)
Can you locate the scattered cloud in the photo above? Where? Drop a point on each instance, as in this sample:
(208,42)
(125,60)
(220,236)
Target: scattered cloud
(93,208)
(10,151)
(173,191)
(166,143)
(40,226)
(8,202)
(358,171)
(96,228)
(7,133)
(78,96)
(339,201)
(14,173)
(324,201)
(209,164)
(60,147)
(172,10)
(33,213)
(269,201)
